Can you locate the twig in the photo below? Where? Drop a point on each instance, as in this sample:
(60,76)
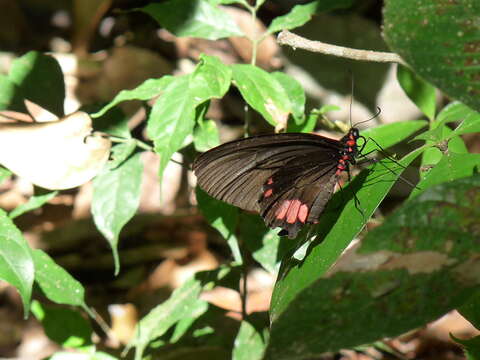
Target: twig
(287,38)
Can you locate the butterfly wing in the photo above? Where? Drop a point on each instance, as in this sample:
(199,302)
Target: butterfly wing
(268,172)
(297,194)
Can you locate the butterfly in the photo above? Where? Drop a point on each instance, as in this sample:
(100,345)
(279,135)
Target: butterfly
(287,178)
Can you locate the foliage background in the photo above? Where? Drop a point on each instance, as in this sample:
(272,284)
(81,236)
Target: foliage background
(417,262)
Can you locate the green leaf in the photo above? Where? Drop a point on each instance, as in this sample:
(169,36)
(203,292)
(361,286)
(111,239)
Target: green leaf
(470,120)
(33,203)
(193,18)
(471,310)
(121,153)
(295,93)
(145,91)
(338,225)
(452,166)
(221,216)
(308,125)
(390,134)
(16,263)
(116,195)
(66,327)
(211,79)
(428,246)
(205,135)
(113,122)
(183,303)
(4,174)
(40,79)
(265,245)
(440,41)
(11,97)
(300,14)
(418,90)
(171,120)
(56,283)
(470,346)
(250,342)
(263,92)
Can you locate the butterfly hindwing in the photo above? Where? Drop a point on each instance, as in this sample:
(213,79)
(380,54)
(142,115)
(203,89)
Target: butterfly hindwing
(297,194)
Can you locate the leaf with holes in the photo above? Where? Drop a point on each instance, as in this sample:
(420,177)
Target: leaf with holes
(440,40)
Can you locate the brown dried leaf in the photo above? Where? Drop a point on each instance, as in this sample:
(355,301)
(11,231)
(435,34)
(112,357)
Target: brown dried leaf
(55,155)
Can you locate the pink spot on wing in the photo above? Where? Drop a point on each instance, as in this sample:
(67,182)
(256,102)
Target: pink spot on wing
(303,213)
(293,210)
(268,193)
(282,210)
(269,181)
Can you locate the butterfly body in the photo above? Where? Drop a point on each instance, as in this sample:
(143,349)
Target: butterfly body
(288,178)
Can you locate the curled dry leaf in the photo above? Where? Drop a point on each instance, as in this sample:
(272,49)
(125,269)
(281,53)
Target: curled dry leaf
(56,155)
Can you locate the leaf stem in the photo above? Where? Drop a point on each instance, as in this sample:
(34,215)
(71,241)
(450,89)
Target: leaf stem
(139,143)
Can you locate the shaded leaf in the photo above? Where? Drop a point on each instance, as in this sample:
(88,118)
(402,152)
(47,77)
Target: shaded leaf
(183,303)
(11,97)
(116,196)
(418,90)
(300,14)
(16,262)
(221,216)
(249,343)
(114,123)
(440,41)
(38,75)
(194,18)
(4,174)
(264,244)
(33,203)
(470,346)
(56,283)
(64,326)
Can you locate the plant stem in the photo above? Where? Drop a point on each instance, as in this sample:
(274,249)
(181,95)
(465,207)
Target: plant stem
(139,143)
(287,38)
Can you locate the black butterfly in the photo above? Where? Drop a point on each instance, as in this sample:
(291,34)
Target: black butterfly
(288,178)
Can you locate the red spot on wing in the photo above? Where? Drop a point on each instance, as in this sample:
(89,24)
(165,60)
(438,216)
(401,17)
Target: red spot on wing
(303,213)
(282,210)
(269,181)
(268,193)
(293,210)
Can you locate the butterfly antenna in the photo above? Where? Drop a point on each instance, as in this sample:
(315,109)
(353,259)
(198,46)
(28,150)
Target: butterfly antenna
(351,97)
(378,112)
